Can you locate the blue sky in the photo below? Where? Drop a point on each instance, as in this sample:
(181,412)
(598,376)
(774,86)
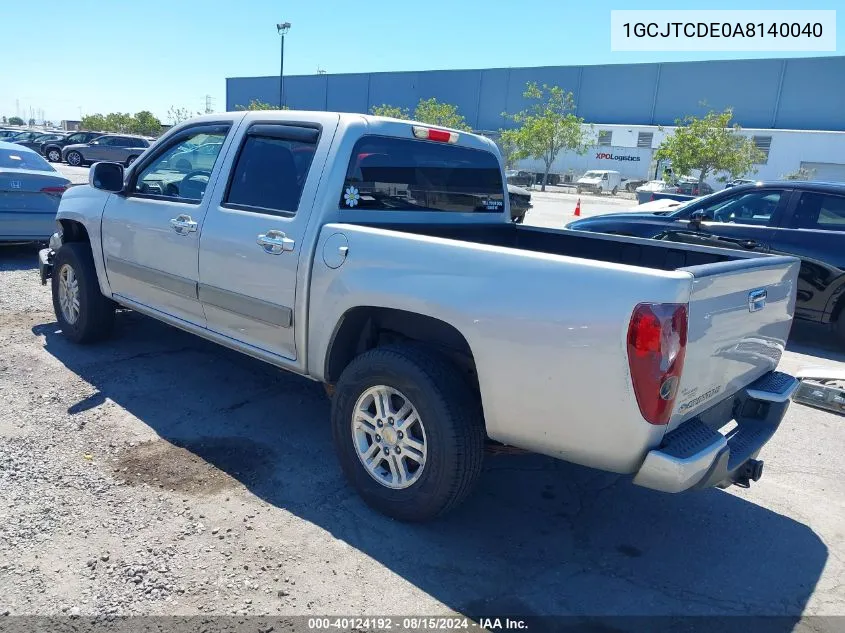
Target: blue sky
(91,56)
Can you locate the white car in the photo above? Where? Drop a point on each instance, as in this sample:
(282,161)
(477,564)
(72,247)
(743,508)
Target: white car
(599,181)
(658,186)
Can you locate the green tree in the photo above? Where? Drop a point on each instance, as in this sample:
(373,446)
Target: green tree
(15,120)
(95,122)
(177,115)
(710,145)
(802,173)
(393,112)
(433,112)
(255,104)
(548,126)
(146,124)
(509,147)
(118,122)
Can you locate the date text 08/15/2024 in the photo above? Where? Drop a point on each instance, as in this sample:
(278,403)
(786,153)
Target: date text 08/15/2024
(387,623)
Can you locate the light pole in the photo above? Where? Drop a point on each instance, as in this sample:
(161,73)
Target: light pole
(282,28)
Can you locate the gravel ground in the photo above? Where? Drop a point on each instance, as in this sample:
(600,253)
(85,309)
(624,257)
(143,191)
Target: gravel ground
(159,474)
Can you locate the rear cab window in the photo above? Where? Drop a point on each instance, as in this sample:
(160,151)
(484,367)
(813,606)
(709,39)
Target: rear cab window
(396,174)
(271,169)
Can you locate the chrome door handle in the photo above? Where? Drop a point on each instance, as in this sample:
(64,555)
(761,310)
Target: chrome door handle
(275,242)
(183,224)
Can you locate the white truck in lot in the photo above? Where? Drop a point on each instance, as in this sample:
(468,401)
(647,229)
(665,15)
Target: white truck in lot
(377,256)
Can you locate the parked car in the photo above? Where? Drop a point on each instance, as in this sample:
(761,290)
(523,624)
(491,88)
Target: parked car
(24,135)
(30,190)
(35,143)
(520,202)
(6,133)
(519,178)
(599,181)
(804,219)
(118,148)
(631,184)
(435,322)
(52,150)
(738,181)
(693,188)
(645,191)
(200,156)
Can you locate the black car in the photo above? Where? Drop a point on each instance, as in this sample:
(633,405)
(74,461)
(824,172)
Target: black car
(53,149)
(520,200)
(803,219)
(36,143)
(25,135)
(519,178)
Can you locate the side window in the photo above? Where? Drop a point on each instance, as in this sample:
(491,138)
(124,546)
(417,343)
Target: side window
(77,138)
(750,207)
(270,171)
(174,174)
(819,211)
(397,174)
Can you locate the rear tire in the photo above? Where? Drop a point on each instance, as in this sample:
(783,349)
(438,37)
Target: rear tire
(74,159)
(82,311)
(614,191)
(450,429)
(54,155)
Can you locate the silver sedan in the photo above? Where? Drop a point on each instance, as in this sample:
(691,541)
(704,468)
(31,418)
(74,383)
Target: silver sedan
(30,190)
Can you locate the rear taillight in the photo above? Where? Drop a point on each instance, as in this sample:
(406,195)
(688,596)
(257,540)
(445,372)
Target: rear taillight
(430,134)
(657,343)
(56,191)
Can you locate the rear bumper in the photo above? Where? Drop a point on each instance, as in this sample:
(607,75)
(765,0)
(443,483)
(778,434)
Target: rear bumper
(697,455)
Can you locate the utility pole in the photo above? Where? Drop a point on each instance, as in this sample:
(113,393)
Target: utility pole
(282,28)
(209,104)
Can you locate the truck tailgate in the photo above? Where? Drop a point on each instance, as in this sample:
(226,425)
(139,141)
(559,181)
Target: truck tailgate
(740,314)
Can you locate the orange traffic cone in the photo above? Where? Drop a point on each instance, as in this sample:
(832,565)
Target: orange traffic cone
(578,208)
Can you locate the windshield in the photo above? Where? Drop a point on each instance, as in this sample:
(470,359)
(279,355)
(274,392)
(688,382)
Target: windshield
(11,159)
(592,174)
(679,211)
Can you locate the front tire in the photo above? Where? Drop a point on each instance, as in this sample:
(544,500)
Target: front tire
(74,159)
(54,155)
(82,311)
(130,160)
(408,432)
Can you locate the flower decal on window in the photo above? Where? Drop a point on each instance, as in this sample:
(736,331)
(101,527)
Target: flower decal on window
(351,196)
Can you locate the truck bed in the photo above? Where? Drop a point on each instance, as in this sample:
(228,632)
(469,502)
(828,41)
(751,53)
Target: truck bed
(606,248)
(732,340)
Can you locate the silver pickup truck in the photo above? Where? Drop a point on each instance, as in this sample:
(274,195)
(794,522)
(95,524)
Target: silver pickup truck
(377,257)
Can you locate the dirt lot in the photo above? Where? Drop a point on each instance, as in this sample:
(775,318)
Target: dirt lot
(159,474)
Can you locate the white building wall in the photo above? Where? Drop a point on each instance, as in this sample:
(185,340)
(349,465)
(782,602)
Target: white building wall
(788,151)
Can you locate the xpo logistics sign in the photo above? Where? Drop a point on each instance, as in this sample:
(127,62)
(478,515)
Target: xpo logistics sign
(617,157)
(631,162)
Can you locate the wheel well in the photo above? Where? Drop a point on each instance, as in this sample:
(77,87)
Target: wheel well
(73,231)
(365,328)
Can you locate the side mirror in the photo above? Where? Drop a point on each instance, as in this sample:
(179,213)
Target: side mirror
(106,176)
(696,219)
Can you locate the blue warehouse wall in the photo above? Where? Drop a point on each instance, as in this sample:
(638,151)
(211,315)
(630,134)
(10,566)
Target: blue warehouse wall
(803,94)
